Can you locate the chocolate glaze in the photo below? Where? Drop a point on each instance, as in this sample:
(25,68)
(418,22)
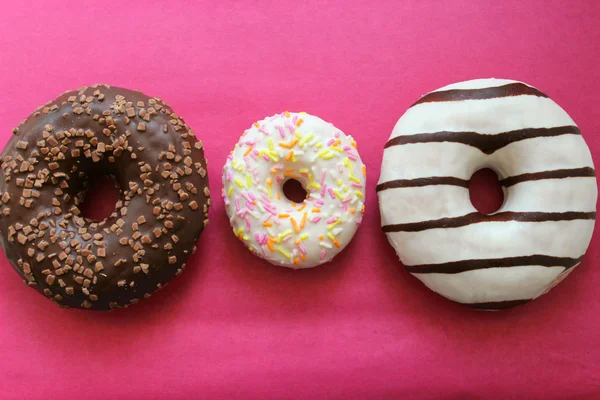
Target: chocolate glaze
(476,218)
(511,180)
(509,90)
(419,182)
(555,174)
(456,267)
(486,143)
(496,305)
(160,168)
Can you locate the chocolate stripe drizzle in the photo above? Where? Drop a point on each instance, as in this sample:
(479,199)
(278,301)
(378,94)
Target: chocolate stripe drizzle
(476,218)
(555,174)
(486,143)
(511,180)
(509,90)
(456,267)
(419,182)
(496,305)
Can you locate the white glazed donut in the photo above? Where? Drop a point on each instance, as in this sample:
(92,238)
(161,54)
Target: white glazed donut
(327,164)
(545,224)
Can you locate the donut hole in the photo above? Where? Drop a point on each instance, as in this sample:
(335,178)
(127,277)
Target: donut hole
(485,191)
(99,198)
(294,191)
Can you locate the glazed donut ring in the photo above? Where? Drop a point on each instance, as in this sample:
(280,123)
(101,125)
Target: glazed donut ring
(327,164)
(542,230)
(160,168)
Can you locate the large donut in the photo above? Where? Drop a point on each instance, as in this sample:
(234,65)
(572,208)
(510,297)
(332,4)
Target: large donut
(327,164)
(545,224)
(160,168)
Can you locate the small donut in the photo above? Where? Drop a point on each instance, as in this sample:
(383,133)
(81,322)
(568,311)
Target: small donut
(156,161)
(545,224)
(324,160)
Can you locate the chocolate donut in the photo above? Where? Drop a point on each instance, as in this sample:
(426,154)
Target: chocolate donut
(541,232)
(159,167)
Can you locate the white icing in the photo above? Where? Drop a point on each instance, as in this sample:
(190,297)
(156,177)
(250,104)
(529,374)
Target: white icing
(421,160)
(476,84)
(442,201)
(473,115)
(488,239)
(493,240)
(325,160)
(577,194)
(492,284)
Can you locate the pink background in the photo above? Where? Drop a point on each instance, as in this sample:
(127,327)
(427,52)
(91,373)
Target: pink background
(236,327)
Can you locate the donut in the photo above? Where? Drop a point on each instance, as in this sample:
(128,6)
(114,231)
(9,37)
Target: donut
(47,165)
(301,147)
(543,228)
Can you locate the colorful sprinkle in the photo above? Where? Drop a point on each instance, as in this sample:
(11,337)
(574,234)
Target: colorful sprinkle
(305,139)
(289,145)
(295,225)
(281,132)
(285,253)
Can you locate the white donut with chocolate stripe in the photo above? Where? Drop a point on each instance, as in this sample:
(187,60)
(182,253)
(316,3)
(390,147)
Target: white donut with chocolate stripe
(545,224)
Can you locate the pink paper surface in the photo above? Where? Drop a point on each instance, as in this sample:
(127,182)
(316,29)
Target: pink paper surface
(233,326)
